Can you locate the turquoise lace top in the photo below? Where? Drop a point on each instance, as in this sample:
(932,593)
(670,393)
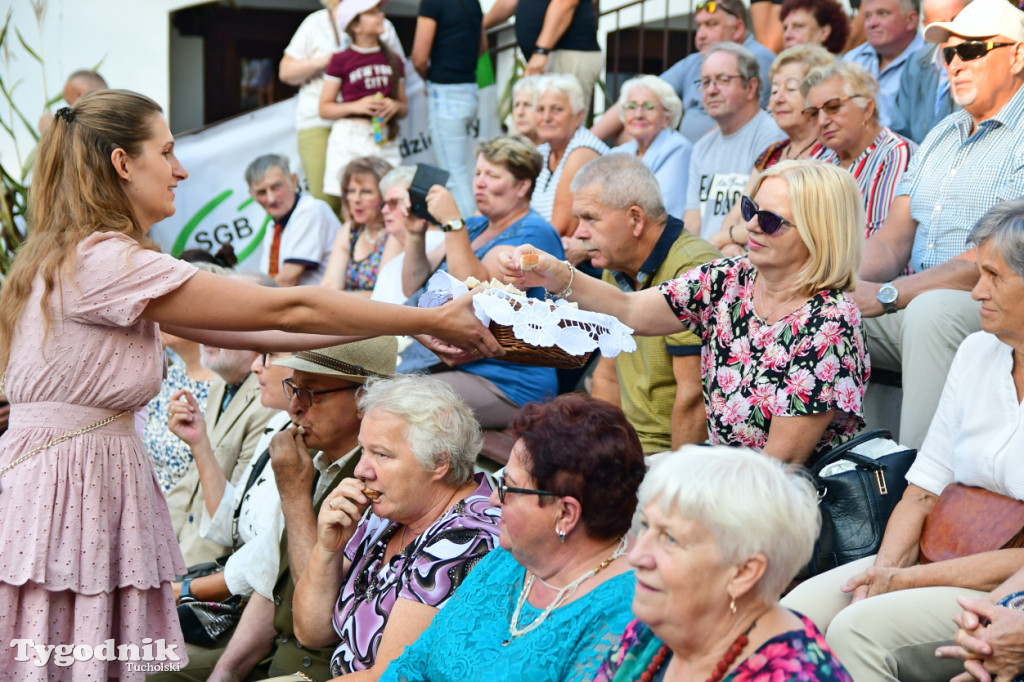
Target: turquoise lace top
(464,641)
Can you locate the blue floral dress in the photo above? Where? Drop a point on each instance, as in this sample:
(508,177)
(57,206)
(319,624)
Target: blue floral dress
(794,656)
(811,361)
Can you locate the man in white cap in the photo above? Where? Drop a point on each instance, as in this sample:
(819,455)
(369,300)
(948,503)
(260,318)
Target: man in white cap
(970,161)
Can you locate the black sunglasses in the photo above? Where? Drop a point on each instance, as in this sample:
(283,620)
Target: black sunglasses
(769,221)
(504,489)
(971,50)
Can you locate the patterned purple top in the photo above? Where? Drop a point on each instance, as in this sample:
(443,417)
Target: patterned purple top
(427,571)
(361,275)
(811,361)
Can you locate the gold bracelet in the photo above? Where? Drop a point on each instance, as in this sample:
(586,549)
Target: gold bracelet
(567,291)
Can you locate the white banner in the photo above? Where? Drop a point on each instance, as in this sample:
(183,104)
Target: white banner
(214,206)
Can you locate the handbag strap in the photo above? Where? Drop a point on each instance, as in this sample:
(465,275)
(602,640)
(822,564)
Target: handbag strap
(845,451)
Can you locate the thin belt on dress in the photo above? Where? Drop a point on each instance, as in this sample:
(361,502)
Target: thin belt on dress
(68,417)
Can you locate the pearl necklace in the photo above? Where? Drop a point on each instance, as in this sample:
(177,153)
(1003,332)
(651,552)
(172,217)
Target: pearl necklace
(563,596)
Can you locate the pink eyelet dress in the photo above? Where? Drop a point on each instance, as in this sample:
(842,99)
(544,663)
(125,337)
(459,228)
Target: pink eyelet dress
(87,552)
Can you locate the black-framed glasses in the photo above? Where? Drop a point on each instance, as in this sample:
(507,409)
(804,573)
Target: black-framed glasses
(712,6)
(721,81)
(504,489)
(647,107)
(770,222)
(971,50)
(304,395)
(830,107)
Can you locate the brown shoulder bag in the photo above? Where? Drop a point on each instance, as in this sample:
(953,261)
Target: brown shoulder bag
(968,521)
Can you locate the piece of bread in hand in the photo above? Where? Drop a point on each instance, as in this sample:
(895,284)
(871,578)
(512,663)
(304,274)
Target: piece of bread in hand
(528,261)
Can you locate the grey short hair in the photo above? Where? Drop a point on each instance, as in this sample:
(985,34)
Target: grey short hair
(440,426)
(750,502)
(1003,226)
(562,83)
(527,85)
(662,90)
(402,175)
(857,82)
(746,62)
(624,181)
(261,165)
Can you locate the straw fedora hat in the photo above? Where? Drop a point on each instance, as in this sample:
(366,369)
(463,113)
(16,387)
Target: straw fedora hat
(355,362)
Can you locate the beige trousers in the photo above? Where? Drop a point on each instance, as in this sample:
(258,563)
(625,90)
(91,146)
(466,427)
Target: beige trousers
(888,637)
(920,341)
(586,66)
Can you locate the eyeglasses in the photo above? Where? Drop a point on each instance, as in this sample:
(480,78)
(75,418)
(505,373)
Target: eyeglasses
(648,107)
(769,221)
(971,50)
(711,7)
(830,107)
(504,490)
(391,204)
(304,395)
(720,81)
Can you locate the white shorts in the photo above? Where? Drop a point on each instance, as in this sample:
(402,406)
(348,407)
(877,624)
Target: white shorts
(350,139)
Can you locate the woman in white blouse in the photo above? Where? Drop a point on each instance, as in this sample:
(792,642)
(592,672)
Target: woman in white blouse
(886,614)
(245,516)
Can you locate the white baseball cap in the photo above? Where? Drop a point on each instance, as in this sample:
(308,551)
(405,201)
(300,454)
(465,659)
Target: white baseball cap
(980,19)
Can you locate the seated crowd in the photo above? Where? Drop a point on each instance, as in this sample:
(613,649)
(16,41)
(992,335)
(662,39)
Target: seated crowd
(770,227)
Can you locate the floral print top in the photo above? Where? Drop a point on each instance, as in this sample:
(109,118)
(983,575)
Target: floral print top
(361,275)
(795,656)
(809,362)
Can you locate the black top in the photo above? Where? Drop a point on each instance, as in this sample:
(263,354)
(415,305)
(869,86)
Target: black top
(453,55)
(581,34)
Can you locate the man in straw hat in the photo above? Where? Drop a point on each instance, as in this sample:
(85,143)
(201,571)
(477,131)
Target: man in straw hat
(969,162)
(322,392)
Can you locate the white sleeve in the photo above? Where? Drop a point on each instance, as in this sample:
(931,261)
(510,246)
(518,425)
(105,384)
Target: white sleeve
(218,528)
(310,233)
(254,566)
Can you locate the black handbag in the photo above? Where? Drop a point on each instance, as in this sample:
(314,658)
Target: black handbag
(856,504)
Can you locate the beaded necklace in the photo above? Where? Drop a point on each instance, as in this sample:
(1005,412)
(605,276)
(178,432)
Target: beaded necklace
(720,668)
(563,596)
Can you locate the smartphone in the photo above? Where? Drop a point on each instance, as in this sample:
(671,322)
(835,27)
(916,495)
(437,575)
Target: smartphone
(426,177)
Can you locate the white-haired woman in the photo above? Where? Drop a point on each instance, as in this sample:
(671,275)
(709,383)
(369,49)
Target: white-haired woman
(558,106)
(394,542)
(522,108)
(650,109)
(723,532)
(783,360)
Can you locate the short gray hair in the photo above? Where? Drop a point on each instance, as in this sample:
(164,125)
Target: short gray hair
(746,62)
(440,426)
(858,83)
(750,502)
(662,90)
(562,83)
(624,181)
(402,175)
(527,85)
(261,165)
(1003,225)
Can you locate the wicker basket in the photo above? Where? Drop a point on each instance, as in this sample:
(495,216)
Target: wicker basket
(519,351)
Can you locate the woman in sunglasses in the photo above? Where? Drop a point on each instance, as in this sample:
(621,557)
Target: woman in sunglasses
(841,106)
(650,109)
(784,365)
(552,600)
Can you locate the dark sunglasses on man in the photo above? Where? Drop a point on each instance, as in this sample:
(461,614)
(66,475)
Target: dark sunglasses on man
(971,50)
(770,222)
(711,7)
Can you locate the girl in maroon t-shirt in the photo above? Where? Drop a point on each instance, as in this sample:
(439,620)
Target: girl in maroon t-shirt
(369,78)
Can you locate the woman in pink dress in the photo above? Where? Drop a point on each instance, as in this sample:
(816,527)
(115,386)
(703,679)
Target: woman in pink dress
(87,554)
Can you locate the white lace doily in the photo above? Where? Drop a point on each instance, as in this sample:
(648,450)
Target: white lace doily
(539,323)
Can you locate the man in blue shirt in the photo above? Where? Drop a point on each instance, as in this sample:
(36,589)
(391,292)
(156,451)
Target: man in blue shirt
(891,28)
(717,22)
(970,161)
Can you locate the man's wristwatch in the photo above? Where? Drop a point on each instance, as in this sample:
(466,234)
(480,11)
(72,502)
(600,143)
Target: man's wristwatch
(454,225)
(887,296)
(543,51)
(185,594)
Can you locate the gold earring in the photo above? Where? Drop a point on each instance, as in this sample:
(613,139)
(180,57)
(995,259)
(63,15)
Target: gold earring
(732,605)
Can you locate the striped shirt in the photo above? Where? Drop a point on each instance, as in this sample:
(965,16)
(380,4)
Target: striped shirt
(543,200)
(956,177)
(878,170)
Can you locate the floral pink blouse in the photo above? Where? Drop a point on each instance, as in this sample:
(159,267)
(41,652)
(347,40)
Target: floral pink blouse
(811,361)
